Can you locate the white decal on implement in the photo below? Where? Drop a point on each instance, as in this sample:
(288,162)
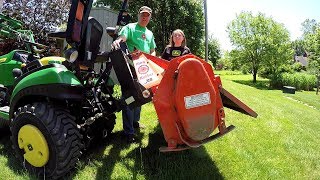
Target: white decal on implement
(145,74)
(197,100)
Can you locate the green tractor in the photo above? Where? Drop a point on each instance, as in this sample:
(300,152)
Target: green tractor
(56,107)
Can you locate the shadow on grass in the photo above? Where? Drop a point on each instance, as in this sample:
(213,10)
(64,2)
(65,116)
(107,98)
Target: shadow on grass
(95,152)
(147,161)
(95,155)
(189,164)
(260,84)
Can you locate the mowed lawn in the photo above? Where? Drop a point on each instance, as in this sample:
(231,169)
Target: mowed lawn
(282,143)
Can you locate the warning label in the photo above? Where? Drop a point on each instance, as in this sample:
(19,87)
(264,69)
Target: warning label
(144,72)
(197,100)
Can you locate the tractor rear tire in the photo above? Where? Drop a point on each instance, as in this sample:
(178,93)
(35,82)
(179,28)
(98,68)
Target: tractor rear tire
(57,137)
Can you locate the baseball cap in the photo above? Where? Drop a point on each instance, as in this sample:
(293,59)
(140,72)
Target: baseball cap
(145,9)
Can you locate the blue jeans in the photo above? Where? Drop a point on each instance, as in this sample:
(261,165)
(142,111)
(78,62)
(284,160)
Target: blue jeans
(130,116)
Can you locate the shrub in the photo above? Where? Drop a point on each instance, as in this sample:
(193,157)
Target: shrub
(301,81)
(276,80)
(267,73)
(297,67)
(264,73)
(285,68)
(223,64)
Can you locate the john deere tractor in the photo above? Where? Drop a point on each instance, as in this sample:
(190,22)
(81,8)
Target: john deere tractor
(56,107)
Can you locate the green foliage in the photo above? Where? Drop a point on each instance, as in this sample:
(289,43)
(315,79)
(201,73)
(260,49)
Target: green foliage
(297,67)
(260,42)
(237,58)
(299,47)
(214,52)
(314,66)
(245,69)
(311,41)
(40,16)
(223,64)
(301,81)
(314,60)
(265,72)
(285,68)
(309,26)
(167,16)
(117,91)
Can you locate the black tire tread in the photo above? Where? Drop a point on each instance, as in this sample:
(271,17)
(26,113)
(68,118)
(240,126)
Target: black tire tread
(62,129)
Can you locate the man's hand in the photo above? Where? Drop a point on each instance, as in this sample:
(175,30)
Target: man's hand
(116,44)
(153,52)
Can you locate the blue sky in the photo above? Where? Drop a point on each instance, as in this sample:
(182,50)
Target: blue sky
(291,13)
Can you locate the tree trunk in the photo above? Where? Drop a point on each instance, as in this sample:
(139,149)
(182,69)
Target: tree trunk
(254,74)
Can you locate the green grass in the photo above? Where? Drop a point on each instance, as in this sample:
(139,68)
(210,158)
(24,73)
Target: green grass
(282,143)
(307,97)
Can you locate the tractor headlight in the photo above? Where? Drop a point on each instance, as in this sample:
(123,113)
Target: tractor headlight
(71,55)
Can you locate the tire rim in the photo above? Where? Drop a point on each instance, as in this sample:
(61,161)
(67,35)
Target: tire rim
(34,144)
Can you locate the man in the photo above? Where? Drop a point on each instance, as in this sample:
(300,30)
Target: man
(137,36)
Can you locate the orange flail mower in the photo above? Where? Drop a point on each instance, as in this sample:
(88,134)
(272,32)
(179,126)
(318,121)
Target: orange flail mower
(189,99)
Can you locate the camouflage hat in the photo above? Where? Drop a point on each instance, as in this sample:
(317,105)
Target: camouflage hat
(145,9)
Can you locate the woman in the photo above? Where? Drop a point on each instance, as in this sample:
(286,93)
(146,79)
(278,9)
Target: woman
(177,46)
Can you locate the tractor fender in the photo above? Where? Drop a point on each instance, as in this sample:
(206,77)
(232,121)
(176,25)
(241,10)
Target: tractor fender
(55,81)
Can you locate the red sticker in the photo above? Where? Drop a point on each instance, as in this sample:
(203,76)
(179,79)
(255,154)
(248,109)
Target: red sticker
(143,69)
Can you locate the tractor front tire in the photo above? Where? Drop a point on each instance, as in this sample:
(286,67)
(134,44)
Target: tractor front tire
(45,139)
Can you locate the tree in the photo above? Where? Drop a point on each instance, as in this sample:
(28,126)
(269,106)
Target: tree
(309,26)
(299,47)
(40,16)
(311,39)
(314,53)
(167,16)
(224,62)
(261,41)
(214,52)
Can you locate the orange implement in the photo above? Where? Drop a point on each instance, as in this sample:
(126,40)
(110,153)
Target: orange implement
(189,102)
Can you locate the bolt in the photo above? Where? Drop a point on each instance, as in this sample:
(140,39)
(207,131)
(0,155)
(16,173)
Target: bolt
(146,93)
(30,147)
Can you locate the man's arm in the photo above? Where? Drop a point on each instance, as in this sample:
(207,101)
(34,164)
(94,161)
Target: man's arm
(153,52)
